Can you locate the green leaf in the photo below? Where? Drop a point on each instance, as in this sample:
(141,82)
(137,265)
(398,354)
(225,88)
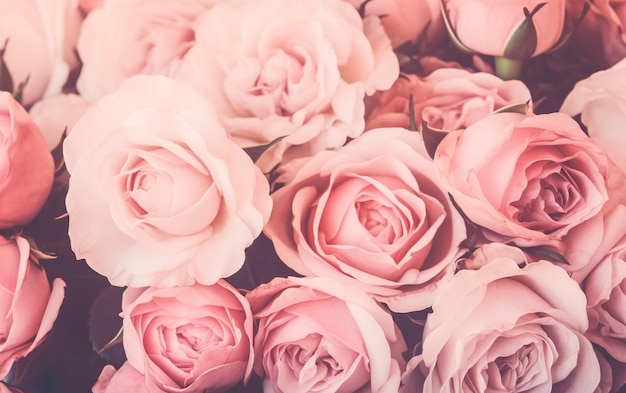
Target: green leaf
(432,137)
(523,41)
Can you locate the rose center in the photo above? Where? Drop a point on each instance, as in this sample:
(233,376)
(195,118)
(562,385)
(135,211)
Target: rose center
(375,219)
(514,369)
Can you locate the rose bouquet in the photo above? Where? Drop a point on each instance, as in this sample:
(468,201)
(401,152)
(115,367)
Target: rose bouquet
(312,196)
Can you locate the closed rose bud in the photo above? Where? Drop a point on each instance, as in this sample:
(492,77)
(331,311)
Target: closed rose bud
(509,33)
(26,165)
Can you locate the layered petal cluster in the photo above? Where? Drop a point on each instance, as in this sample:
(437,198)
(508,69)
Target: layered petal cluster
(372,213)
(158,194)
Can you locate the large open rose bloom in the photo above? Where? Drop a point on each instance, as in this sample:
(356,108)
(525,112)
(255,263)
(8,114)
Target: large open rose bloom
(26,165)
(603,280)
(28,305)
(447,99)
(297,69)
(41,39)
(507,329)
(315,335)
(372,213)
(122,38)
(188,339)
(530,179)
(158,194)
(468,17)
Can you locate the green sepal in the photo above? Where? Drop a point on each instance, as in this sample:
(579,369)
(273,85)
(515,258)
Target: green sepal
(118,339)
(6,80)
(453,37)
(523,41)
(432,137)
(522,109)
(412,124)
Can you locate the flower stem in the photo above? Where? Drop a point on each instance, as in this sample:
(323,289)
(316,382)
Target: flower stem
(508,69)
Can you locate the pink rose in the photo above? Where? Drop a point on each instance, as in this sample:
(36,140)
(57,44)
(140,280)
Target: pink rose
(602,34)
(317,335)
(26,165)
(126,379)
(604,283)
(56,115)
(467,17)
(507,329)
(188,339)
(405,20)
(154,174)
(122,38)
(529,179)
(296,69)
(28,306)
(601,102)
(41,39)
(372,214)
(447,99)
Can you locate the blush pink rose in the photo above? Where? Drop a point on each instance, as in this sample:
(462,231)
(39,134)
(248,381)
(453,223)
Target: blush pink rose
(41,44)
(26,165)
(503,18)
(601,102)
(317,335)
(122,38)
(154,173)
(507,329)
(28,305)
(188,339)
(125,379)
(57,115)
(374,214)
(604,280)
(447,99)
(405,20)
(530,179)
(291,69)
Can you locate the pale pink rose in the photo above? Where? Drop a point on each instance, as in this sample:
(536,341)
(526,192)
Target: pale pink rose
(41,40)
(373,214)
(507,329)
(405,20)
(154,173)
(529,179)
(28,306)
(26,165)
(125,379)
(604,280)
(447,99)
(188,339)
(122,38)
(469,19)
(318,335)
(296,69)
(601,102)
(57,115)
